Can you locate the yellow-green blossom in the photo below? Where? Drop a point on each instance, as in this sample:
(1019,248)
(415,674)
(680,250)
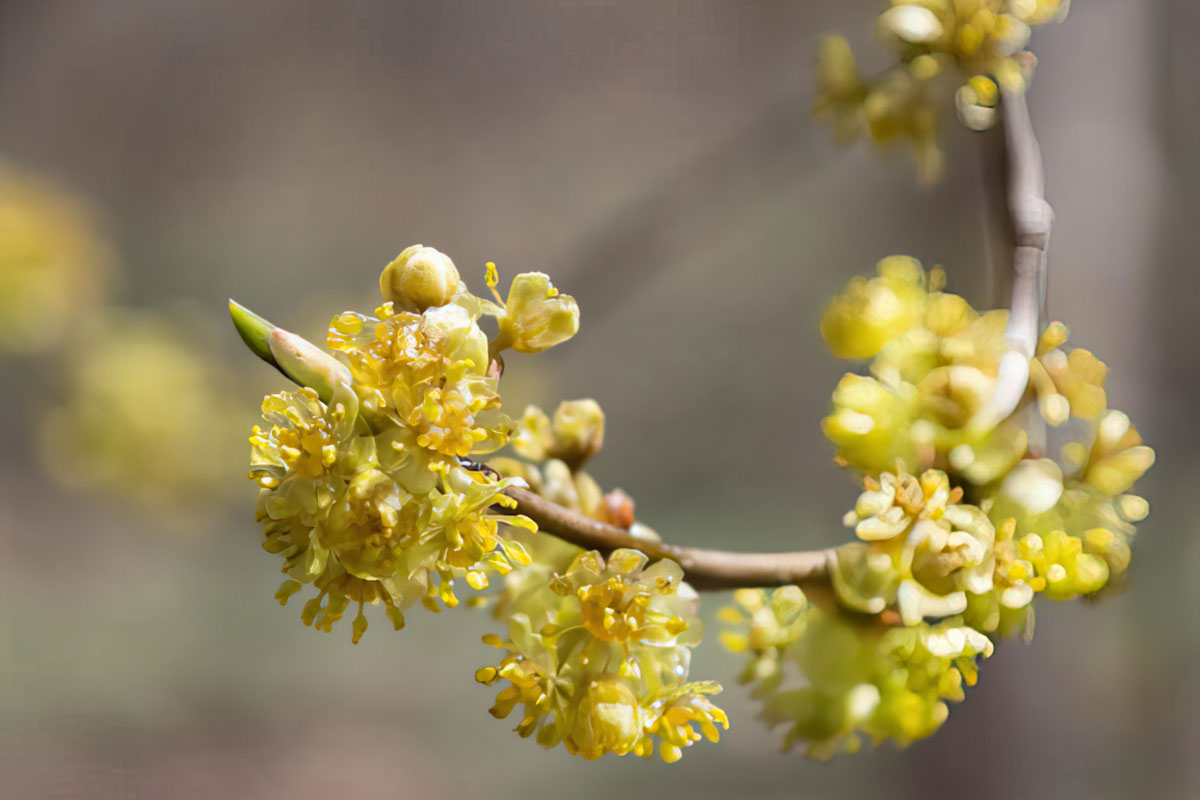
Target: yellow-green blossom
(831,680)
(574,436)
(598,660)
(419,278)
(920,549)
(934,365)
(870,312)
(534,317)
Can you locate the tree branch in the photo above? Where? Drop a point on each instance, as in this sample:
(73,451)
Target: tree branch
(705,569)
(1032,219)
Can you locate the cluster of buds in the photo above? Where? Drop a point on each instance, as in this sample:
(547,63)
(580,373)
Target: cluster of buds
(981,41)
(963,521)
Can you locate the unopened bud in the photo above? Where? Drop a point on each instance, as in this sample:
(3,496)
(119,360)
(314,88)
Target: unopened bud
(419,278)
(307,364)
(578,431)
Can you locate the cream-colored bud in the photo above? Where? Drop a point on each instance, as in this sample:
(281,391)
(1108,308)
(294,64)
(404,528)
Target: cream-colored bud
(1036,484)
(578,431)
(419,278)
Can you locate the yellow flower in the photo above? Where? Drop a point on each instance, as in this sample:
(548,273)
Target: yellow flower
(982,40)
(575,435)
(607,720)
(867,314)
(934,368)
(419,278)
(428,373)
(534,317)
(921,549)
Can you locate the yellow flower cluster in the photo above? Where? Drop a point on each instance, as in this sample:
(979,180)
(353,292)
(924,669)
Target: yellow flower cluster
(961,524)
(832,680)
(339,506)
(598,660)
(934,365)
(428,373)
(364,490)
(982,40)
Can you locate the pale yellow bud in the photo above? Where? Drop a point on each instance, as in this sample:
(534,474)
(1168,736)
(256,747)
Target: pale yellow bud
(578,429)
(609,720)
(419,278)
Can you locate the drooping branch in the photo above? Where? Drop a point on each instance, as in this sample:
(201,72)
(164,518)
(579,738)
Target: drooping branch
(1032,218)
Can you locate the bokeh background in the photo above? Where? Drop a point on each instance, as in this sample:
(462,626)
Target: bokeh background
(659,160)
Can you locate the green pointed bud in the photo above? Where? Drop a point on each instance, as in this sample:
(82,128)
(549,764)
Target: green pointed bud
(253,329)
(307,364)
(537,317)
(297,358)
(419,278)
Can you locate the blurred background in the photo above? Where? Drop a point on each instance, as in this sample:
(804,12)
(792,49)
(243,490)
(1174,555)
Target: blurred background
(660,162)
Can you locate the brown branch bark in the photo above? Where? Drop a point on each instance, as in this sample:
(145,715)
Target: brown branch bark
(705,569)
(1031,218)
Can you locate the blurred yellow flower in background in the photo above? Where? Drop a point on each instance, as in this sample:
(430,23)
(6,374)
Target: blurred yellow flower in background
(54,264)
(147,416)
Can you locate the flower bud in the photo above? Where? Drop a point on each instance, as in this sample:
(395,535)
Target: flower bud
(307,364)
(867,314)
(609,719)
(912,23)
(578,430)
(419,278)
(537,317)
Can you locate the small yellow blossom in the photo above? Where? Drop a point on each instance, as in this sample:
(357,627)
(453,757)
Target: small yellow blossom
(921,549)
(535,316)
